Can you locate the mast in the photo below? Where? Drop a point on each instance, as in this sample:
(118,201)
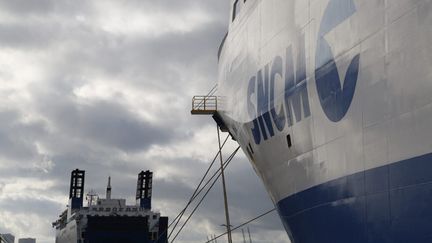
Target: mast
(108,190)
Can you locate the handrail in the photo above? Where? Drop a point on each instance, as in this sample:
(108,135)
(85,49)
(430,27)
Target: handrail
(204,103)
(210,93)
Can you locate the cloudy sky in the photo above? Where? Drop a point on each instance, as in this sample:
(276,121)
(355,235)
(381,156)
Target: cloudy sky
(105,86)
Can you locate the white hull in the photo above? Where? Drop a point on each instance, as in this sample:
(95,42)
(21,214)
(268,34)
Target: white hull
(381,50)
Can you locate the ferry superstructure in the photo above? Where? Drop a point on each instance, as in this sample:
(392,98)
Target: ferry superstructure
(331,100)
(110,220)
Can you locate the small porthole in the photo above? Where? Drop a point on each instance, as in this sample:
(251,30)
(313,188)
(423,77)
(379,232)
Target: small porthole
(289,141)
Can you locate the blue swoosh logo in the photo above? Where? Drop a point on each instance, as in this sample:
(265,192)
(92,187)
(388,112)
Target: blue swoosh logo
(335,99)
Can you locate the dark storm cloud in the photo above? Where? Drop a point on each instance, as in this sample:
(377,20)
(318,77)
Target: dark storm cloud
(28,6)
(31,205)
(42,8)
(26,36)
(109,124)
(115,53)
(216,8)
(16,137)
(102,122)
(146,61)
(183,49)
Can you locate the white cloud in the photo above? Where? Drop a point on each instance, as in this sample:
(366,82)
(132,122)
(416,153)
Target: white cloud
(128,20)
(26,224)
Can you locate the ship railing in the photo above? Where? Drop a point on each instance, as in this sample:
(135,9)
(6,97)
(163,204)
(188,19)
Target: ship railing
(205,104)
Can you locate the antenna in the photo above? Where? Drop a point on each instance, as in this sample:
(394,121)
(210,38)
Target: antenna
(250,239)
(108,190)
(92,197)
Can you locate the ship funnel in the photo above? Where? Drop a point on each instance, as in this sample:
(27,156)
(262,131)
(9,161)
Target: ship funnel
(144,189)
(76,191)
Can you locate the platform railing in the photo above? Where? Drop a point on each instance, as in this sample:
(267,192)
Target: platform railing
(204,105)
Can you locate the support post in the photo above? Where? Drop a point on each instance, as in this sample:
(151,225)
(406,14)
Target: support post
(244,238)
(250,239)
(228,225)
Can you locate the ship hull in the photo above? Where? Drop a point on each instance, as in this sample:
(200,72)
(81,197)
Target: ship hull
(330,101)
(68,234)
(385,204)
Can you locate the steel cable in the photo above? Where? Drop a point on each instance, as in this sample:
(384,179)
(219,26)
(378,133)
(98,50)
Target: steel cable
(206,193)
(248,222)
(195,194)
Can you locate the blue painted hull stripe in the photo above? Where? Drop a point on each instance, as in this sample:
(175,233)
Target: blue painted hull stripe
(392,203)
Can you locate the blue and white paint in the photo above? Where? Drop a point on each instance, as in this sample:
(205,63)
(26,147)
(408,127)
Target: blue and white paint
(334,99)
(295,103)
(349,81)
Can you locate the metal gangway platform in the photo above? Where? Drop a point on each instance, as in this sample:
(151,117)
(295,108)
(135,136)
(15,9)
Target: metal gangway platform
(205,104)
(209,105)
